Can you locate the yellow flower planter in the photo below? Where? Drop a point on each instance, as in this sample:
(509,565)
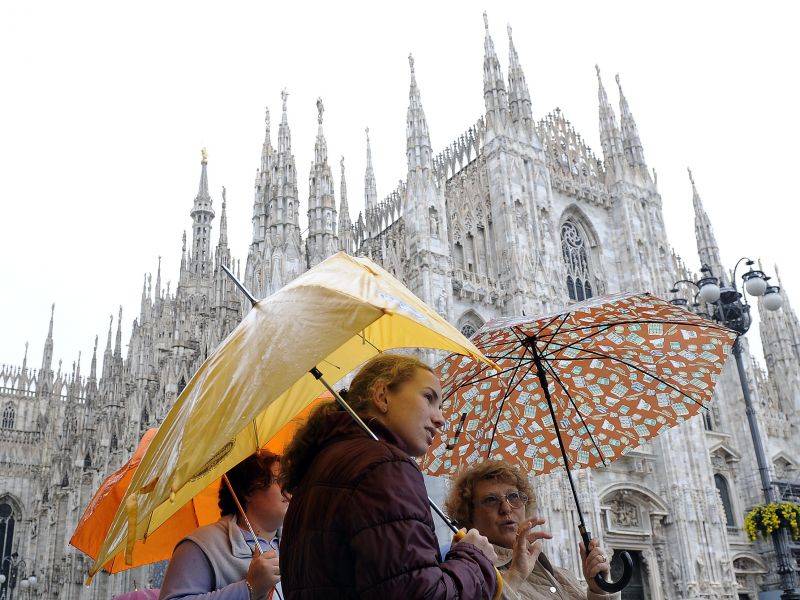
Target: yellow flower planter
(766,519)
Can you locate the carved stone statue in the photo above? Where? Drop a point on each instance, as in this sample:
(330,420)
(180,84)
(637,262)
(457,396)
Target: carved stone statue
(441,303)
(434,224)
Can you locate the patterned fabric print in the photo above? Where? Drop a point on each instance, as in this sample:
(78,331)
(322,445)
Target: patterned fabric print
(620,370)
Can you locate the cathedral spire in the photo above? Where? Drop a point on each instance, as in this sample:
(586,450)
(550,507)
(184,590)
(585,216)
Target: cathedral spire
(266,148)
(345,224)
(202,214)
(158,282)
(284,135)
(25,359)
(107,356)
(610,138)
(707,248)
(223,226)
(47,355)
(418,147)
(93,367)
(370,189)
(780,338)
(631,144)
(321,241)
(118,341)
(321,146)
(494,87)
(519,98)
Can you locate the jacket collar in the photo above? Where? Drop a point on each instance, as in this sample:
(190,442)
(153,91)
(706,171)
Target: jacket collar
(341,426)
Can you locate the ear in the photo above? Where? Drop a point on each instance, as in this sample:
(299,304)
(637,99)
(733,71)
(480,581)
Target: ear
(380,397)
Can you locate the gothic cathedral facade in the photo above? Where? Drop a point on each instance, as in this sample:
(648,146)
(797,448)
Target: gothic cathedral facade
(516,216)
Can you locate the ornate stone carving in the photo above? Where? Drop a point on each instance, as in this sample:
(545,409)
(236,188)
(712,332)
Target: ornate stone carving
(623,513)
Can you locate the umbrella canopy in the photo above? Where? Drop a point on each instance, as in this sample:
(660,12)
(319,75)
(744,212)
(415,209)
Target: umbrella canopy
(201,510)
(589,383)
(619,371)
(331,318)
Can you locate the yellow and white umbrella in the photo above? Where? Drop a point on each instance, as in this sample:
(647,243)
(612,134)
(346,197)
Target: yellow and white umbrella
(329,320)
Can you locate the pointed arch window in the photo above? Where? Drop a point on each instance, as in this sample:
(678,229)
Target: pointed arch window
(581,283)
(725,497)
(469,323)
(9,416)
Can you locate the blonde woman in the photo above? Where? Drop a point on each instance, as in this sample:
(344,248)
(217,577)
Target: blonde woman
(496,499)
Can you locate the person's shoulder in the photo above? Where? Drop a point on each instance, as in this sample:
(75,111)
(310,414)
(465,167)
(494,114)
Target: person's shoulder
(352,460)
(216,530)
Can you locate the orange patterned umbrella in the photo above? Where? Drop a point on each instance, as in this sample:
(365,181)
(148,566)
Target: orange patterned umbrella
(589,383)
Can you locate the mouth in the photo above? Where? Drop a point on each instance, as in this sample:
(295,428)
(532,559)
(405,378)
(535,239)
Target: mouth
(431,434)
(508,525)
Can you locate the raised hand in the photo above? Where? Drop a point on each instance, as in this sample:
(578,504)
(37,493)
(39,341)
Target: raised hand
(527,547)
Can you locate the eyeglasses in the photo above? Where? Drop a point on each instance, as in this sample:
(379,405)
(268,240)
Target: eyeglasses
(515,499)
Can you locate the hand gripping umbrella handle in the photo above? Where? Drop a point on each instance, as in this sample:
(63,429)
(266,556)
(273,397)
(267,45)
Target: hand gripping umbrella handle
(612,587)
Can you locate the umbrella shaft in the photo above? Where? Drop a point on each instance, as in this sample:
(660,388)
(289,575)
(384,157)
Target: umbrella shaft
(318,376)
(241,512)
(540,372)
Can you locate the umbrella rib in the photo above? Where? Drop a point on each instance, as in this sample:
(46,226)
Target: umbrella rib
(483,368)
(586,427)
(583,339)
(647,322)
(363,337)
(558,329)
(509,389)
(632,366)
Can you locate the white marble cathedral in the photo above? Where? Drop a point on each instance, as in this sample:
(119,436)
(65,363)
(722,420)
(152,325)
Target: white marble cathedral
(516,215)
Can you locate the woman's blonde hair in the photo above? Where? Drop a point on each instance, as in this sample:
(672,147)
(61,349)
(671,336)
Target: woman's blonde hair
(460,503)
(390,369)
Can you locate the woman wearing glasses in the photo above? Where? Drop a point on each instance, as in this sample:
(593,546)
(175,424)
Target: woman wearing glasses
(496,499)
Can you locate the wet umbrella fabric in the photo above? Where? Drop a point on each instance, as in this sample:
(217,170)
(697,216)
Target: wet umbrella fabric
(578,388)
(328,321)
(202,509)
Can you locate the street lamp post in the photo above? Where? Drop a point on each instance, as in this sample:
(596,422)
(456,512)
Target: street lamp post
(15,566)
(729,307)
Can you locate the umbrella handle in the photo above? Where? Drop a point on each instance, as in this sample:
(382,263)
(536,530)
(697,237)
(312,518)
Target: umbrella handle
(612,587)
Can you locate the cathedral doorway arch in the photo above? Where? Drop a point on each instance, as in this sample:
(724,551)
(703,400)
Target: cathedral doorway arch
(10,515)
(749,569)
(632,517)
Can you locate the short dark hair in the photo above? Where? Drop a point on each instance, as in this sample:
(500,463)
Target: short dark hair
(252,473)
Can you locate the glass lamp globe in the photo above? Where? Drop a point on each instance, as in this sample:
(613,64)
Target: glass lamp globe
(2,579)
(32,579)
(24,583)
(709,292)
(772,299)
(755,284)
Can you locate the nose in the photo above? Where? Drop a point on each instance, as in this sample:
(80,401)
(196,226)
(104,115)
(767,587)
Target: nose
(438,418)
(505,506)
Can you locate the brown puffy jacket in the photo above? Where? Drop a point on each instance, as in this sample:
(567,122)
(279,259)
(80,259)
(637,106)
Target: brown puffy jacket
(359,526)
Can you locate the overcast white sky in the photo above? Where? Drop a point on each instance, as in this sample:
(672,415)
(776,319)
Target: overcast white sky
(105,106)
